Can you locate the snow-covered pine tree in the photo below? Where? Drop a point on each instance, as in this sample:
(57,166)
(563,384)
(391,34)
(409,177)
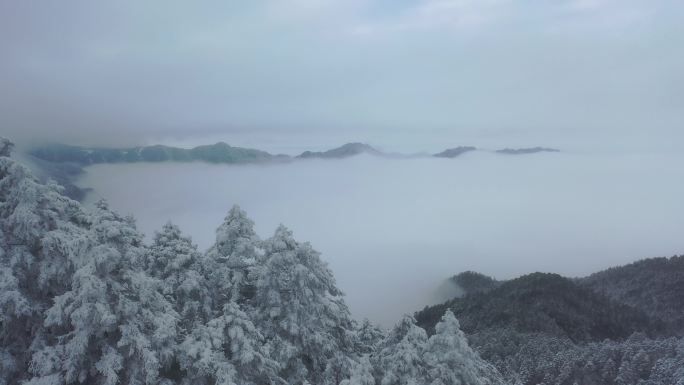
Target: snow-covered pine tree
(450,361)
(608,370)
(41,234)
(400,359)
(361,373)
(228,350)
(231,258)
(368,337)
(338,367)
(299,309)
(113,326)
(174,260)
(669,369)
(6,147)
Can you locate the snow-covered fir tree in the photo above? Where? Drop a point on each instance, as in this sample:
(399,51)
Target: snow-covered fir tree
(232,257)
(400,359)
(174,260)
(368,336)
(361,373)
(300,309)
(228,350)
(42,233)
(113,325)
(450,361)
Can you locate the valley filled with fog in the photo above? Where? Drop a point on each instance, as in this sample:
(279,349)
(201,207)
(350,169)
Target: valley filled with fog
(392,230)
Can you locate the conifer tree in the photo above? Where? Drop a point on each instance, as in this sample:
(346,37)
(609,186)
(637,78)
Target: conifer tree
(300,309)
(174,260)
(232,257)
(227,350)
(41,235)
(113,325)
(450,361)
(361,373)
(400,361)
(368,337)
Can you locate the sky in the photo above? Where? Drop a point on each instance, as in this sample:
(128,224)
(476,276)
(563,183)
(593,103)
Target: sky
(403,75)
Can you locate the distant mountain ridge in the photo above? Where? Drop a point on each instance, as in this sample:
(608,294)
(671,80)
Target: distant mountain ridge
(64,163)
(454,152)
(524,151)
(216,153)
(344,151)
(220,152)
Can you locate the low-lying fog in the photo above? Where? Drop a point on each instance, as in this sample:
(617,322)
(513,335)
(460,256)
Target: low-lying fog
(393,229)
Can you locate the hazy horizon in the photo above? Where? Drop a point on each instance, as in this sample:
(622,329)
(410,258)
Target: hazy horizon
(409,75)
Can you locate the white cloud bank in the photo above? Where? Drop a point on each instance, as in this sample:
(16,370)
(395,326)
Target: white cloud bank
(393,230)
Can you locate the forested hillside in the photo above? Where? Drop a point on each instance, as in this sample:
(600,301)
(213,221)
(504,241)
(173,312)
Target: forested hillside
(547,303)
(547,329)
(654,286)
(84,300)
(471,282)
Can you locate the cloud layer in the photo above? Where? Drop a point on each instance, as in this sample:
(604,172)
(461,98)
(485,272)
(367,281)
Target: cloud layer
(394,229)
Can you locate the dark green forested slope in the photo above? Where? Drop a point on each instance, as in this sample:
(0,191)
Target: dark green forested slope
(616,327)
(471,282)
(544,303)
(654,286)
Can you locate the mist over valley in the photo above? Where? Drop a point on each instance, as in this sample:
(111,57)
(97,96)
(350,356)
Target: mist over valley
(393,230)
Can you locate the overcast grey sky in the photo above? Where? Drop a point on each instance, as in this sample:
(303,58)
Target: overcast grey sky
(407,75)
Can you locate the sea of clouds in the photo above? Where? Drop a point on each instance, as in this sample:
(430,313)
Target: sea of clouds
(392,230)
